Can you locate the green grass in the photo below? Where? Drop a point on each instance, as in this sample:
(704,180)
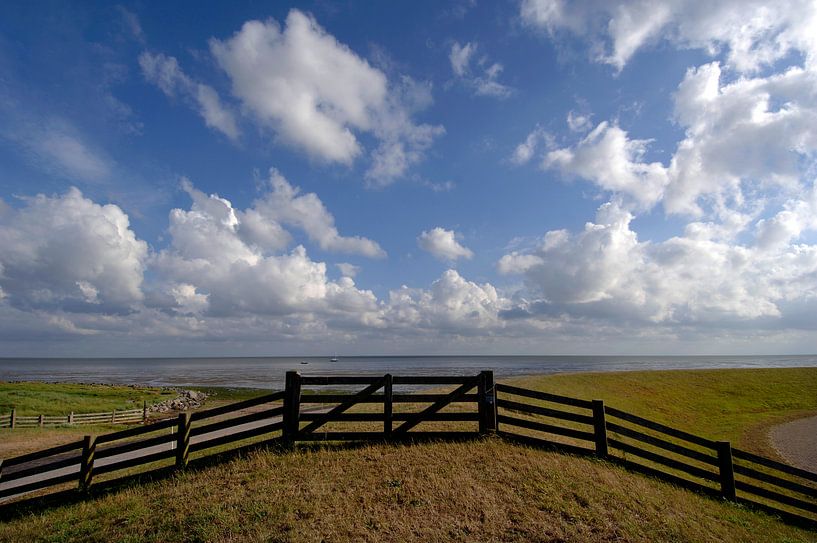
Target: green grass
(733,405)
(486,490)
(62,398)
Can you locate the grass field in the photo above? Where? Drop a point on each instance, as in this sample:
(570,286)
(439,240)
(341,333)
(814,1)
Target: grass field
(486,490)
(476,491)
(733,405)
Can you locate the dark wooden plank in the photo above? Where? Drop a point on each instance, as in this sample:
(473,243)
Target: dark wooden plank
(237,406)
(36,470)
(22,459)
(378,398)
(135,445)
(339,380)
(545,411)
(435,380)
(133,462)
(663,444)
(344,417)
(236,421)
(388,404)
(692,438)
(772,479)
(663,460)
(776,496)
(545,444)
(30,487)
(727,472)
(441,417)
(769,463)
(352,400)
(546,396)
(785,516)
(433,408)
(238,436)
(548,428)
(379,436)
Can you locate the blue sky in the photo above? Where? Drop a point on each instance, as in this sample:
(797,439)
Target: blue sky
(527,176)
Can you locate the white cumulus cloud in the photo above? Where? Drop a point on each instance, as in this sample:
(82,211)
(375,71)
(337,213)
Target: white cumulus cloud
(443,244)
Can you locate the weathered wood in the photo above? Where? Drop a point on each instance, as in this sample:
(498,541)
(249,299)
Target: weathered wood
(663,460)
(237,421)
(600,428)
(238,406)
(41,421)
(663,475)
(661,443)
(545,444)
(433,408)
(113,416)
(144,412)
(727,471)
(292,407)
(86,465)
(134,462)
(378,398)
(131,432)
(777,481)
(769,463)
(311,380)
(538,395)
(545,411)
(183,440)
(776,496)
(59,449)
(13,418)
(352,400)
(238,436)
(30,487)
(487,402)
(435,380)
(39,470)
(652,425)
(134,445)
(388,404)
(547,428)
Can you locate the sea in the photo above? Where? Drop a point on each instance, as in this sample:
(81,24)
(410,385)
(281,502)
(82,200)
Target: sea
(268,372)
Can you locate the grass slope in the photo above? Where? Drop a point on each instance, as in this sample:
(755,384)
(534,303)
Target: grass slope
(734,405)
(486,490)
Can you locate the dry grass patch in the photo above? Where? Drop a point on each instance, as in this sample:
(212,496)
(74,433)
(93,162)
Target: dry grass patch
(485,490)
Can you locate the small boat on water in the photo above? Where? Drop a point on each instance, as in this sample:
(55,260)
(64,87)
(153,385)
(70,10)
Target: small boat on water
(334,358)
(304,362)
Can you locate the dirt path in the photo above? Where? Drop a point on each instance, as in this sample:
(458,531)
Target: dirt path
(796,441)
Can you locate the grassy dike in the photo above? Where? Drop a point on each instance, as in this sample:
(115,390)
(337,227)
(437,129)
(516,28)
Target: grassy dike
(486,490)
(738,405)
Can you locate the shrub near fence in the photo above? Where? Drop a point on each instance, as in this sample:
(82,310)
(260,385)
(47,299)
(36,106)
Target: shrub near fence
(129,416)
(535,418)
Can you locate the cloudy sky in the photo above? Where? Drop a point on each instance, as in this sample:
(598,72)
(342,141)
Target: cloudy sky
(521,177)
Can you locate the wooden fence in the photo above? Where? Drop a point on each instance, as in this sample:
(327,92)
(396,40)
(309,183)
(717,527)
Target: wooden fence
(128,416)
(383,412)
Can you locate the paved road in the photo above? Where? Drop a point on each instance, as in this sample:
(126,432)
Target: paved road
(797,442)
(99,462)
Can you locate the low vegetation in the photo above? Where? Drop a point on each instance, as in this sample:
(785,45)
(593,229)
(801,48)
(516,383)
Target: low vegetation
(486,490)
(734,405)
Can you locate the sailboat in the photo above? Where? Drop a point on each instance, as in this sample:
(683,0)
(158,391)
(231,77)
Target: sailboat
(334,358)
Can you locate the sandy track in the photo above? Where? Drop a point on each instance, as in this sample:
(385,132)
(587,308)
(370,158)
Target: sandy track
(796,441)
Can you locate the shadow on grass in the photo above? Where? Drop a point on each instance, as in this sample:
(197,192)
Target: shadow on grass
(38,504)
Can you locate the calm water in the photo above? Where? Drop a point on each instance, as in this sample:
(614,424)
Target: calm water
(269,372)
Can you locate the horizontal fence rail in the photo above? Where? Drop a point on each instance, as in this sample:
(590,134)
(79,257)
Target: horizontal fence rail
(378,410)
(128,416)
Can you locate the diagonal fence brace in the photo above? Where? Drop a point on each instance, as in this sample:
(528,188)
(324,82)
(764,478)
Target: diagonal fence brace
(340,408)
(433,408)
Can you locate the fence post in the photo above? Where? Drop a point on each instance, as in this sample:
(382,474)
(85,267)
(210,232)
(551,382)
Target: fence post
(71,418)
(13,418)
(86,466)
(113,416)
(183,440)
(292,407)
(144,412)
(600,428)
(487,402)
(388,404)
(41,421)
(727,470)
